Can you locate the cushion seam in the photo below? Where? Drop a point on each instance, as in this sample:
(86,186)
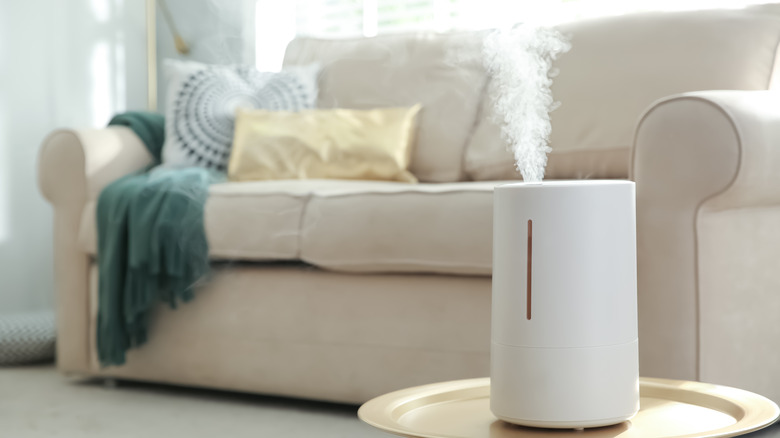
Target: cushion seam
(330,261)
(486,191)
(239,253)
(253,195)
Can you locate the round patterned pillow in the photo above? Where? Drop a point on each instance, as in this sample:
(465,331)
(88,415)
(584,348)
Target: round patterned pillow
(27,338)
(202,102)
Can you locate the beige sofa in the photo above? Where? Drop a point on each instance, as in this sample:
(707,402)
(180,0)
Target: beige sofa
(343,290)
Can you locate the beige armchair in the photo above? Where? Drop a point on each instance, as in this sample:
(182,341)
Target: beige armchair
(707,168)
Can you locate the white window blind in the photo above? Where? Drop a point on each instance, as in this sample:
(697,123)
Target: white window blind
(329,17)
(371,17)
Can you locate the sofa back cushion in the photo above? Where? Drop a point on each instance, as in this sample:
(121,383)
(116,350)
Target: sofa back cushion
(400,71)
(617,67)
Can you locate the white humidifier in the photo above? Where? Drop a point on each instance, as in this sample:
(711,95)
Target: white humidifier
(564,348)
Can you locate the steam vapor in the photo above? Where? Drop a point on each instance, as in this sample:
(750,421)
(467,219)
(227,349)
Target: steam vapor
(519,61)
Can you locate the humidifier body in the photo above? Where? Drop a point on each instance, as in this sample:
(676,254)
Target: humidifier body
(564,350)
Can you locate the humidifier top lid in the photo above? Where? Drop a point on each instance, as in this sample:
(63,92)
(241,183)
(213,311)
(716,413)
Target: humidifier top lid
(569,183)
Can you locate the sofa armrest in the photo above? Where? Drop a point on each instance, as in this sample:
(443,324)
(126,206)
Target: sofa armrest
(695,155)
(73,167)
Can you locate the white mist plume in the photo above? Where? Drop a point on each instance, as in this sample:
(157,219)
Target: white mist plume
(519,61)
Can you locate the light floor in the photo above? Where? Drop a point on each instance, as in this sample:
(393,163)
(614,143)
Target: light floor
(38,402)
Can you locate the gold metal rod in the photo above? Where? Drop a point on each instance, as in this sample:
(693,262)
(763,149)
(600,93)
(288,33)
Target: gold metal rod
(151,54)
(181,46)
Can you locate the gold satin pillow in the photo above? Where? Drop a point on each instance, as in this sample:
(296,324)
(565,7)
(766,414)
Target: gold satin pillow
(323,143)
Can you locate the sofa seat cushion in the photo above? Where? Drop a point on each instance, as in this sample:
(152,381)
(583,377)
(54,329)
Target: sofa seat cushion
(244,220)
(425,228)
(352,226)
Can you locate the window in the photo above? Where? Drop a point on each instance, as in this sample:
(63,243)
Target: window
(371,17)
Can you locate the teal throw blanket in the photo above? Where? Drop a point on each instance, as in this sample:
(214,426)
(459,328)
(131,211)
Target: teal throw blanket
(151,242)
(149,127)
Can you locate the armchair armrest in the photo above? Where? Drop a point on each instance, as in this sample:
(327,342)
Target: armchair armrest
(707,168)
(73,167)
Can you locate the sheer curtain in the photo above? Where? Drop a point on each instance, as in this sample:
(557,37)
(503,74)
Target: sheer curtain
(278,22)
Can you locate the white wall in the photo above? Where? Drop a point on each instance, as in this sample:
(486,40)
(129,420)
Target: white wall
(75,63)
(62,64)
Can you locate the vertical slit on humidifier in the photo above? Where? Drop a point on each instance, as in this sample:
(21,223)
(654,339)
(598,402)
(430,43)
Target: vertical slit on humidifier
(528,269)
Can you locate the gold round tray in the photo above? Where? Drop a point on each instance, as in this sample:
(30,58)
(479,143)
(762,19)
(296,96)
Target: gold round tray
(668,408)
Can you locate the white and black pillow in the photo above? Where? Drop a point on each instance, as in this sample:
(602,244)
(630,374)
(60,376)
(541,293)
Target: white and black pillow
(202,101)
